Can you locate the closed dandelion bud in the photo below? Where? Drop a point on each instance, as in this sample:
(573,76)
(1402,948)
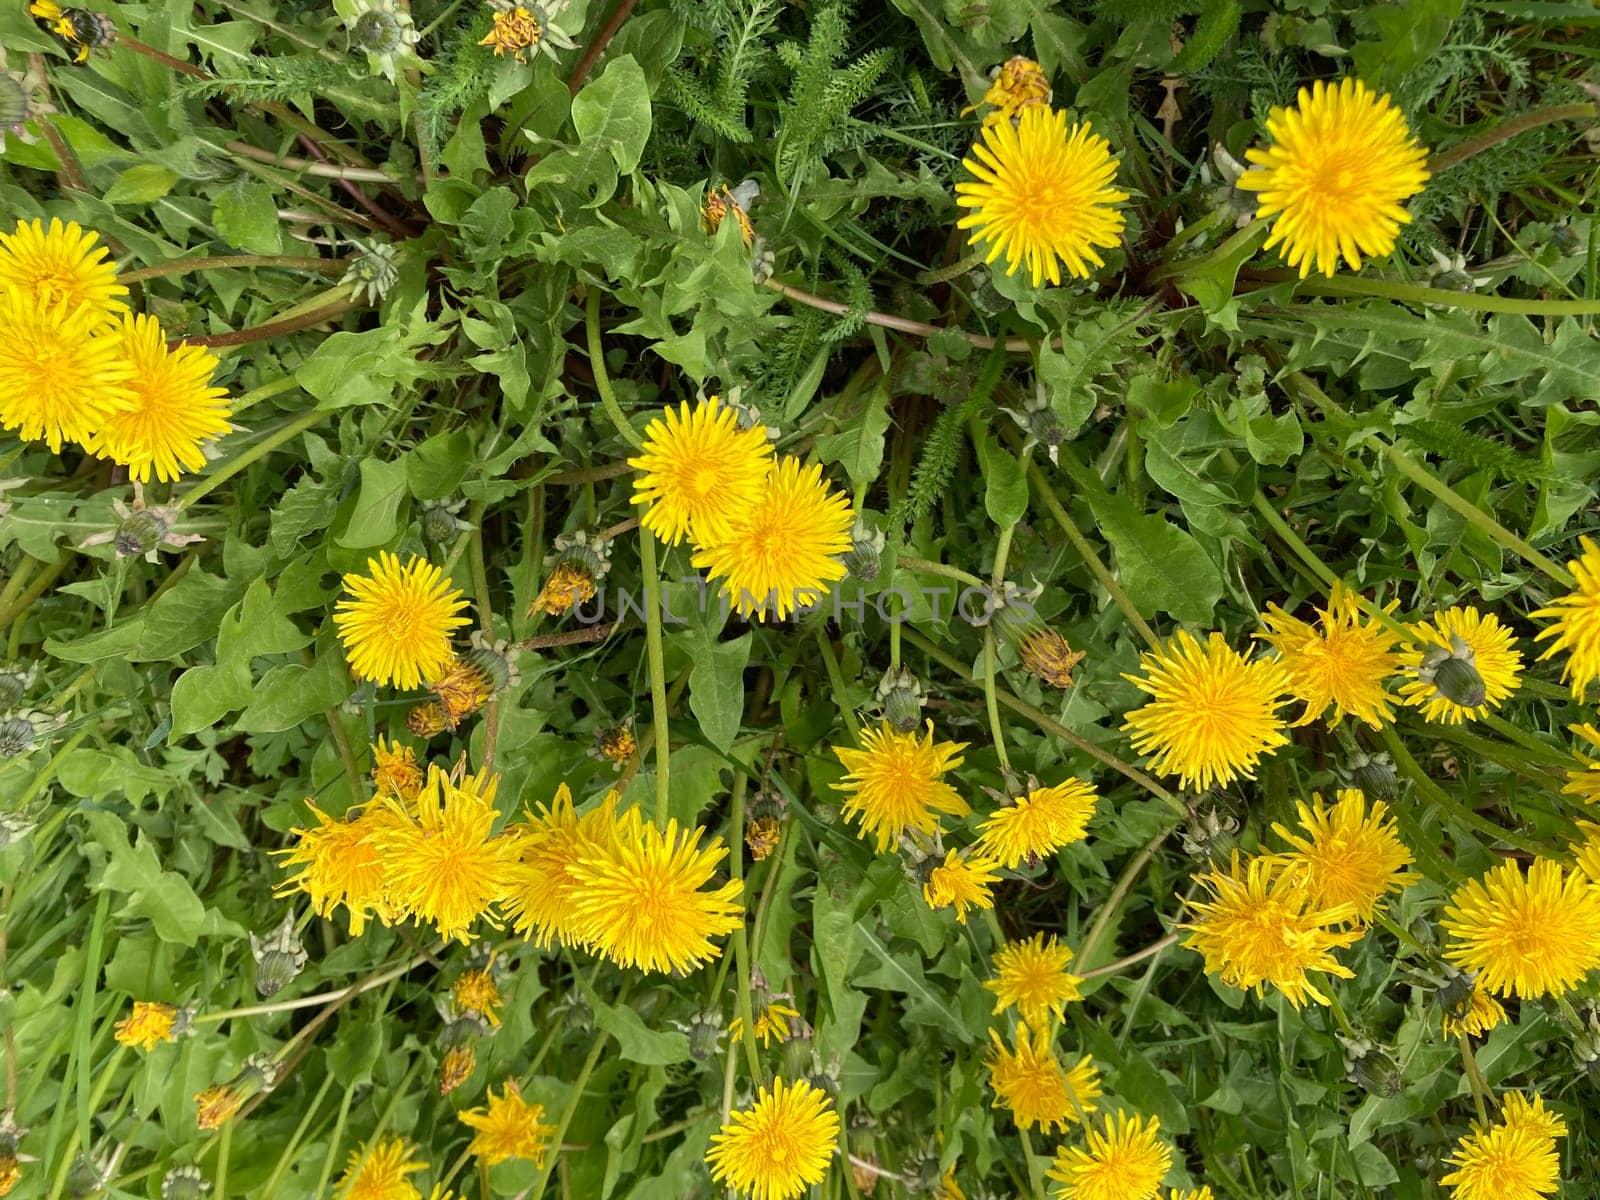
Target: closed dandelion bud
(704,1031)
(1562,237)
(1373,774)
(1047,656)
(1370,1067)
(17,736)
(279,957)
(141,532)
(184,1183)
(764,827)
(1453,673)
(85,1178)
(456,1067)
(378,31)
(440,524)
(493,656)
(427,719)
(1454,995)
(462,689)
(575,1013)
(1211,832)
(216,1105)
(14,683)
(372,273)
(865,557)
(797,1047)
(901,697)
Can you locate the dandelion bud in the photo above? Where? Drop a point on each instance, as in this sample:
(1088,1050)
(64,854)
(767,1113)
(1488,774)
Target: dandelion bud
(1455,993)
(184,1183)
(1047,656)
(216,1105)
(11,1135)
(85,1178)
(456,1067)
(901,697)
(720,203)
(704,1031)
(1373,774)
(1211,833)
(1370,1067)
(1453,673)
(797,1047)
(279,957)
(14,682)
(377,32)
(439,520)
(493,656)
(764,827)
(17,736)
(865,557)
(1565,239)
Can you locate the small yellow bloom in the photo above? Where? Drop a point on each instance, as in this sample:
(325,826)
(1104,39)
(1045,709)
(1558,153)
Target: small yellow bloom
(1033,976)
(568,585)
(396,621)
(427,720)
(462,688)
(508,1127)
(1584,781)
(961,882)
(515,30)
(1039,823)
(1476,1016)
(1334,180)
(457,1064)
(1340,663)
(1465,665)
(761,836)
(1212,714)
(772,1022)
(1126,1161)
(616,744)
(380,1172)
(61,264)
(1352,856)
(147,1026)
(895,783)
(395,771)
(780,1145)
(1032,1085)
(1042,194)
(1528,935)
(697,471)
(1577,622)
(1260,927)
(476,991)
(1018,83)
(720,202)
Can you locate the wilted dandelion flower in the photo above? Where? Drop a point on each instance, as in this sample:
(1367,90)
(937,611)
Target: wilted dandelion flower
(1042,195)
(1340,663)
(516,28)
(786,549)
(780,1145)
(395,771)
(639,901)
(1528,935)
(1465,664)
(1475,1016)
(1014,85)
(720,202)
(175,409)
(1352,855)
(216,1105)
(1577,622)
(381,1172)
(1584,781)
(542,889)
(58,382)
(1212,713)
(445,867)
(148,1025)
(961,882)
(341,864)
(1032,1085)
(396,622)
(1512,1159)
(896,783)
(1032,975)
(508,1127)
(475,991)
(1340,167)
(61,264)
(1260,927)
(1039,823)
(462,688)
(1046,654)
(697,470)
(1126,1161)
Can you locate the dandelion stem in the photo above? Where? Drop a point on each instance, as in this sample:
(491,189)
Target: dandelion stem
(602,380)
(1411,293)
(215,262)
(568,1112)
(741,942)
(272,329)
(830,661)
(230,467)
(596,48)
(1001,553)
(926,567)
(1508,129)
(658,671)
(1433,792)
(480,587)
(338,994)
(1119,892)
(1480,1089)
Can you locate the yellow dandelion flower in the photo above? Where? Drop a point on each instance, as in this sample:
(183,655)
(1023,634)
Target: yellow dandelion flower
(1512,1159)
(783,551)
(1335,178)
(1528,935)
(396,623)
(1260,927)
(961,882)
(542,891)
(1033,976)
(1038,823)
(949,1189)
(1587,852)
(10,1171)
(1340,663)
(476,991)
(1034,1088)
(896,783)
(514,31)
(1353,856)
(216,1105)
(640,904)
(61,264)
(1476,1016)
(1125,1161)
(1584,782)
(616,744)
(1518,1112)
(1577,622)
(1212,714)
(1042,194)
(697,471)
(58,382)
(175,409)
(780,1145)
(380,1172)
(508,1127)
(772,1022)
(445,866)
(569,584)
(341,864)
(395,771)
(147,1026)
(1016,84)
(1464,665)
